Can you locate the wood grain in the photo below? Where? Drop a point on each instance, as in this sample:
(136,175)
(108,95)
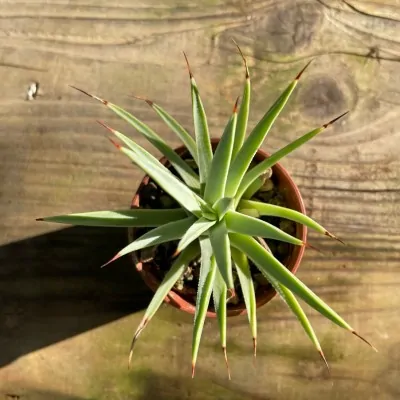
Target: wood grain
(65,325)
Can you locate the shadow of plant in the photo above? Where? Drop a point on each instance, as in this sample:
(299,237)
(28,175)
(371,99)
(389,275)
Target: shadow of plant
(52,288)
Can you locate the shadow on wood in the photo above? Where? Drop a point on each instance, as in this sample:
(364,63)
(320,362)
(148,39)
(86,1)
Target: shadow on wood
(52,288)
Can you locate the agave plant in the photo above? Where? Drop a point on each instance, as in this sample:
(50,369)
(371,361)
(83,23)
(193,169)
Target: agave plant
(217,221)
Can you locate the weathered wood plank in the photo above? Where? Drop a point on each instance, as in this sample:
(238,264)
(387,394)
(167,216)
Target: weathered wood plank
(65,325)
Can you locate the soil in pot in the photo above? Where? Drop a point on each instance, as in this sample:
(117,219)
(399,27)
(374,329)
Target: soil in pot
(152,196)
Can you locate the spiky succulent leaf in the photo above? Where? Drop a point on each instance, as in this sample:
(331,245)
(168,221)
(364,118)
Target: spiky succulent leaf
(203,144)
(222,251)
(268,263)
(247,285)
(120,218)
(253,142)
(291,301)
(194,232)
(219,295)
(183,169)
(162,175)
(176,127)
(215,187)
(222,206)
(164,233)
(247,225)
(288,297)
(206,281)
(265,209)
(243,114)
(269,162)
(177,269)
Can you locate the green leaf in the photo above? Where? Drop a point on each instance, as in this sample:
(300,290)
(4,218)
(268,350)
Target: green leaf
(194,232)
(203,144)
(120,218)
(222,251)
(174,273)
(182,168)
(289,298)
(246,225)
(206,280)
(219,294)
(160,174)
(243,115)
(254,187)
(260,168)
(164,233)
(267,263)
(215,187)
(176,127)
(282,212)
(247,285)
(222,206)
(253,142)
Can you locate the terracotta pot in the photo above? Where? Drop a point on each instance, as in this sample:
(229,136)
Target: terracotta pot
(293,199)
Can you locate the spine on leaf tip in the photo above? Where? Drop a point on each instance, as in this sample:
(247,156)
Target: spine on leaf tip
(188,66)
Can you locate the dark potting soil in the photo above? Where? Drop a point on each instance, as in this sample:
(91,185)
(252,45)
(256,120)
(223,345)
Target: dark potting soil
(152,196)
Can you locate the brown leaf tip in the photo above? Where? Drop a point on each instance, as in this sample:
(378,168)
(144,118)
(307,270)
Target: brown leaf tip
(231,294)
(364,340)
(193,369)
(302,71)
(334,237)
(117,255)
(255,347)
(119,147)
(324,359)
(39,219)
(243,57)
(106,126)
(235,107)
(188,66)
(226,362)
(149,102)
(335,119)
(105,102)
(313,247)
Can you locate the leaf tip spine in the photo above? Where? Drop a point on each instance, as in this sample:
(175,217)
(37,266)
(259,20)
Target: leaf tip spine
(118,146)
(334,237)
(105,102)
(322,355)
(302,71)
(188,66)
(149,102)
(307,245)
(110,261)
(364,340)
(104,125)
(226,362)
(235,107)
(193,368)
(243,57)
(335,119)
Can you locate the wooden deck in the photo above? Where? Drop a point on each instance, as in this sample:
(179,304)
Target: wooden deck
(66,325)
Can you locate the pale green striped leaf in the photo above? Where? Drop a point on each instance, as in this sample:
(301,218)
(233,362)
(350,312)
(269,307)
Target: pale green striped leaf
(268,263)
(247,225)
(175,272)
(194,232)
(222,251)
(120,218)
